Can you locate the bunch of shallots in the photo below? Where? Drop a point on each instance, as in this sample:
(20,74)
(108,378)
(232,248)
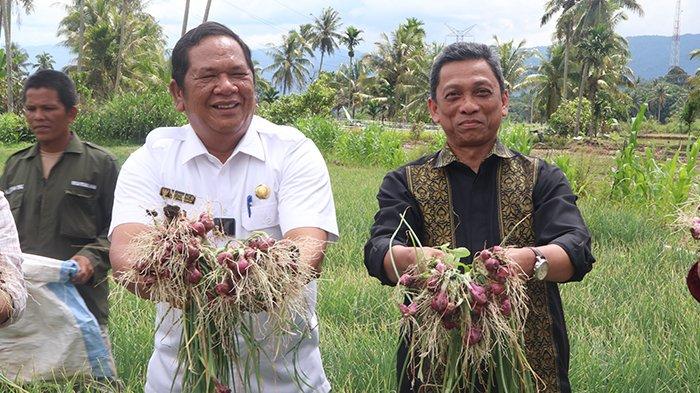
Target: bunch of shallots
(222,291)
(464,323)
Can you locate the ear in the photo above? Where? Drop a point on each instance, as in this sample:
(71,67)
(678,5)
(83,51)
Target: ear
(178,96)
(505,100)
(432,107)
(72,113)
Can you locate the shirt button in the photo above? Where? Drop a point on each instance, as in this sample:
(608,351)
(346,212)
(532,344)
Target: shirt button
(268,220)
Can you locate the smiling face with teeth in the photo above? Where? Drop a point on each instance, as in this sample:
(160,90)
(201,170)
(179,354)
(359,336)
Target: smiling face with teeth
(218,95)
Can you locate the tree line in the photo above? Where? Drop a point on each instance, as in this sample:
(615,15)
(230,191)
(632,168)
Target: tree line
(120,48)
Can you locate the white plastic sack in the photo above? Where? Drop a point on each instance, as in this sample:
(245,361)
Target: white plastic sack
(57,336)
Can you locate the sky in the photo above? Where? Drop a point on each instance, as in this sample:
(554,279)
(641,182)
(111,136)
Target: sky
(263,22)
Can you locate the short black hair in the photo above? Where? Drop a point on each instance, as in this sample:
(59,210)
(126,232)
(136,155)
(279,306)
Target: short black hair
(465,51)
(54,80)
(179,59)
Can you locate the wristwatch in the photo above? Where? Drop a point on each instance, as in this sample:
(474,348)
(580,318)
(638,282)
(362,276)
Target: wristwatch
(541,264)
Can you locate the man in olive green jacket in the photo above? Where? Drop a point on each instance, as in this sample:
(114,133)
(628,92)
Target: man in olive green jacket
(61,189)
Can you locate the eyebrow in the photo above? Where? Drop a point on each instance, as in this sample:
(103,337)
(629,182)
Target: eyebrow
(212,69)
(480,82)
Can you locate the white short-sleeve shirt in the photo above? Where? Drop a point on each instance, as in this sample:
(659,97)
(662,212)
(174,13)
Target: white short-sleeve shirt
(279,157)
(11,277)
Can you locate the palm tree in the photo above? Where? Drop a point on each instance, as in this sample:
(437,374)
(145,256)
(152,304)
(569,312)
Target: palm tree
(353,85)
(693,54)
(325,30)
(289,64)
(414,26)
(44,61)
(660,95)
(592,13)
(375,107)
(306,32)
(6,16)
(512,59)
(564,29)
(547,82)
(144,67)
(611,84)
(415,84)
(304,37)
(122,36)
(351,39)
(392,60)
(268,94)
(600,42)
(18,71)
(81,36)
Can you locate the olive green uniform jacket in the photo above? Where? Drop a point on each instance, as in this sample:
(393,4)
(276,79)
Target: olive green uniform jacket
(68,213)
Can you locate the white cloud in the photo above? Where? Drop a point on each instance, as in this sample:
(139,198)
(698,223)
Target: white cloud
(260,21)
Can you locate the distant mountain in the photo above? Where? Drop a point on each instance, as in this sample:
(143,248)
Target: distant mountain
(650,55)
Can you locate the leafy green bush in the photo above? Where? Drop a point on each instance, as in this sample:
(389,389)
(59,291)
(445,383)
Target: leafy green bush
(563,120)
(14,129)
(517,136)
(372,145)
(578,178)
(322,130)
(128,118)
(285,110)
(643,178)
(316,100)
(438,140)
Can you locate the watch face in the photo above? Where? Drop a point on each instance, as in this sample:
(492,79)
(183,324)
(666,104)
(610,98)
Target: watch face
(541,269)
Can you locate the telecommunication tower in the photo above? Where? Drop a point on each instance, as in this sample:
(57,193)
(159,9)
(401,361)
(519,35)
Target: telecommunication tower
(459,34)
(676,43)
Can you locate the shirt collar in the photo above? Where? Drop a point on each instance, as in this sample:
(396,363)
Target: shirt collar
(446,156)
(250,144)
(192,146)
(75,145)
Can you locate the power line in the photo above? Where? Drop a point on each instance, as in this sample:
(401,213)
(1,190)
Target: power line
(293,10)
(259,19)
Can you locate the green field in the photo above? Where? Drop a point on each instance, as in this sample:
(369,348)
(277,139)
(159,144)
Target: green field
(632,324)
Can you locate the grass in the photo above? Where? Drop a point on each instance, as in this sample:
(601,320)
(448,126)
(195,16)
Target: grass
(632,324)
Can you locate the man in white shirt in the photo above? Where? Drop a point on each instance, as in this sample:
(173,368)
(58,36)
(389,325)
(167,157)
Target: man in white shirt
(216,162)
(13,293)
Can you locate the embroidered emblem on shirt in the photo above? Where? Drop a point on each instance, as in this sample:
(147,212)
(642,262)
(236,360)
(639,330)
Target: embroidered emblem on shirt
(83,184)
(262,191)
(14,188)
(177,195)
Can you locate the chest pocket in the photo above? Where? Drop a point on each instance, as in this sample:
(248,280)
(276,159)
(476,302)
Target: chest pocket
(79,213)
(261,217)
(14,198)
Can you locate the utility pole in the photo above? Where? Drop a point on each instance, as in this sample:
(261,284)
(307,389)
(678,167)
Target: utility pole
(206,11)
(184,19)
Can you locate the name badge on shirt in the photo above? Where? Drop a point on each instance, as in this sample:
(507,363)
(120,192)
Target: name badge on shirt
(177,195)
(83,184)
(14,188)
